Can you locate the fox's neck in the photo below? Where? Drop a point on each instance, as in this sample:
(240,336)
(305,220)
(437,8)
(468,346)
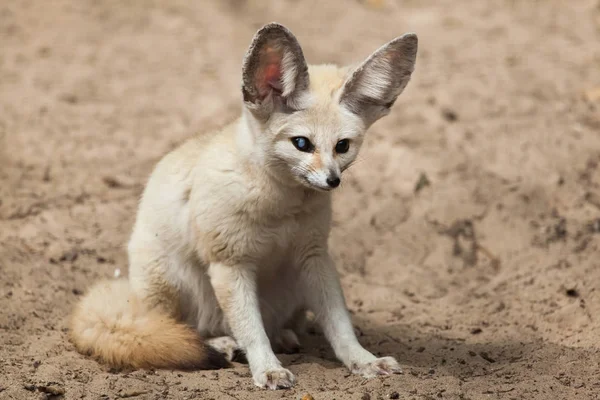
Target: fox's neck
(251,146)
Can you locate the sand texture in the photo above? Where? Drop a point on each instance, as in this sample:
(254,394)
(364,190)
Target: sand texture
(467,234)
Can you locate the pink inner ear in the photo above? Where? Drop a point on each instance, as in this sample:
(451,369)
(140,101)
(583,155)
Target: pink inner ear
(269,74)
(273,75)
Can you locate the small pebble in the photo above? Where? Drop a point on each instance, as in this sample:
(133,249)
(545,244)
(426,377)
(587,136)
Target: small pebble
(572,292)
(53,390)
(422,183)
(69,256)
(449,115)
(487,357)
(394,395)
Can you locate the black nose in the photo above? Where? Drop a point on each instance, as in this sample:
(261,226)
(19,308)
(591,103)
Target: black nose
(333,182)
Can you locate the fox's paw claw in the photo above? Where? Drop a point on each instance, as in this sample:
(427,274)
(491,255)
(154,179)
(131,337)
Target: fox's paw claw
(377,367)
(278,378)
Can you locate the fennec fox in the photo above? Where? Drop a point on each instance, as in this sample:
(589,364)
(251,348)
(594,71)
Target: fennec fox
(229,249)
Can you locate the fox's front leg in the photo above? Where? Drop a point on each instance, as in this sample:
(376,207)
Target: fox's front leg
(326,299)
(235,288)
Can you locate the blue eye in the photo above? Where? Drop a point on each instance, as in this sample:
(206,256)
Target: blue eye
(302,144)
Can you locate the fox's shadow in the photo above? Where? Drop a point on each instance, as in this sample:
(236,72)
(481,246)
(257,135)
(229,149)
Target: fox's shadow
(426,353)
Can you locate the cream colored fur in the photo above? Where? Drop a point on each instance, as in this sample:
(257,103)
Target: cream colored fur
(231,233)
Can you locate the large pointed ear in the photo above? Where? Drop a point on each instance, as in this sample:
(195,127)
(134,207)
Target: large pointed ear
(374,86)
(274,70)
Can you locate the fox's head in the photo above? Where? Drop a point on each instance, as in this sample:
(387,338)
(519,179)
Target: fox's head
(307,123)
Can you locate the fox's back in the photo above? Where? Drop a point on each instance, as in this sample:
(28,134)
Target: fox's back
(164,209)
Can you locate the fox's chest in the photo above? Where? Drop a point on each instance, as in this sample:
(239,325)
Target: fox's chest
(277,243)
(241,240)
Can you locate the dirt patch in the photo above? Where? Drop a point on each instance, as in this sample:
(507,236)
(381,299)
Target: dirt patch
(467,235)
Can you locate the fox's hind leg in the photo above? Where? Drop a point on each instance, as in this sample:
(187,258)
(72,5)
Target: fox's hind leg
(286,342)
(149,283)
(228,346)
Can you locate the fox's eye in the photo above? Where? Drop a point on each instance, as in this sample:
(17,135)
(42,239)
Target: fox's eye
(342,146)
(302,144)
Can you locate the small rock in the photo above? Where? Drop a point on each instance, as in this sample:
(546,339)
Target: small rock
(422,182)
(365,396)
(52,389)
(77,292)
(118,182)
(594,226)
(472,353)
(394,395)
(308,396)
(132,393)
(431,371)
(476,331)
(449,115)
(421,349)
(572,292)
(560,229)
(37,363)
(70,256)
(487,357)
(30,388)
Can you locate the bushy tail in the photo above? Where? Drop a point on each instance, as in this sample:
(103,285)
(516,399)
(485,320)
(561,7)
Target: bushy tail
(114,326)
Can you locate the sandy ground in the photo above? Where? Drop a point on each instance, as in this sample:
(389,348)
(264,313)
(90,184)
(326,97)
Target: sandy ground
(483,280)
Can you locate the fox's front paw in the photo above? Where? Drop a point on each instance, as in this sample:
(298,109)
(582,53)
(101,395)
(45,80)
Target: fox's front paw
(277,378)
(377,367)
